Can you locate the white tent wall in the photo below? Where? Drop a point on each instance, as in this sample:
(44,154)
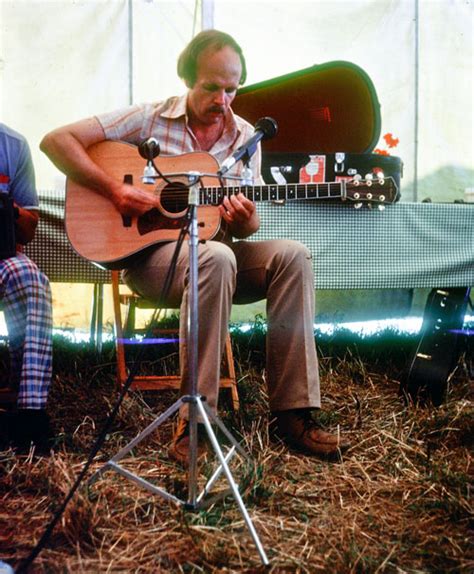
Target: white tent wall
(434,130)
(62,60)
(446,117)
(161,29)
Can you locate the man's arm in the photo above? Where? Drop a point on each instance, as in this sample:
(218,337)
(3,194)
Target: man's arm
(67,147)
(26,221)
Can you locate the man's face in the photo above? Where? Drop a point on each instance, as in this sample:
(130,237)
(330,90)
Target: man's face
(217,80)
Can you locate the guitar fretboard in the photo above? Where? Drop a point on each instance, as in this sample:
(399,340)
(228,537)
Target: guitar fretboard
(322,191)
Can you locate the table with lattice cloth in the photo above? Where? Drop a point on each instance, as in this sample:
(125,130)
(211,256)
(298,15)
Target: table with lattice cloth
(408,245)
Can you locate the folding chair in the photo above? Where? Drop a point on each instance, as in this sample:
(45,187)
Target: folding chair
(126,328)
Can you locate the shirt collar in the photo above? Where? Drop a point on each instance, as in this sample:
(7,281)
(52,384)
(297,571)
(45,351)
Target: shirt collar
(177,110)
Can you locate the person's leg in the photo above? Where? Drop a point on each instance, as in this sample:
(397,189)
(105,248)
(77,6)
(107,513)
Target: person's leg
(28,314)
(281,272)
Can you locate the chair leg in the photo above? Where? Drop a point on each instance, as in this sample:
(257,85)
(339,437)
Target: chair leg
(121,365)
(229,355)
(157,382)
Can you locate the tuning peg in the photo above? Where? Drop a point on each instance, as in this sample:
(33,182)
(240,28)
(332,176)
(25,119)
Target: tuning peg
(358,205)
(357,179)
(368,179)
(381,207)
(380,177)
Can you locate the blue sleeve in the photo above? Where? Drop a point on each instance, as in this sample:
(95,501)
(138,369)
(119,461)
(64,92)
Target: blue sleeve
(23,183)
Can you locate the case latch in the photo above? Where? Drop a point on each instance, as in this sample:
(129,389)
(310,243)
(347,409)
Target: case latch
(339,165)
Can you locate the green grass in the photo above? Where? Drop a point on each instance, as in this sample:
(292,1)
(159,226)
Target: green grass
(399,501)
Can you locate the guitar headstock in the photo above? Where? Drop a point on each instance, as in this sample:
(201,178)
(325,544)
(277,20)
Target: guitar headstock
(378,190)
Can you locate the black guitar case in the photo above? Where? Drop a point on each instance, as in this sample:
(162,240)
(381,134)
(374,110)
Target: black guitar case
(441,342)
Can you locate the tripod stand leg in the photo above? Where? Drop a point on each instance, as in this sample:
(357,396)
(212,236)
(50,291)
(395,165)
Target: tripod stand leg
(215,419)
(112,463)
(193,447)
(213,479)
(231,481)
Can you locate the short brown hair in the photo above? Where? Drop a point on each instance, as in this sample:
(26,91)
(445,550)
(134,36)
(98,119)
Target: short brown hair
(187,61)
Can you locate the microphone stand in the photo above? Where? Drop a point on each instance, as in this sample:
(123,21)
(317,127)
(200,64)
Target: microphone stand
(197,406)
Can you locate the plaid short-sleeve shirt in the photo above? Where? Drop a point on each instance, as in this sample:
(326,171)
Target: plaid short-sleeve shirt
(167,121)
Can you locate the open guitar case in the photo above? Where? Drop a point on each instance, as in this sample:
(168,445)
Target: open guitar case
(328,120)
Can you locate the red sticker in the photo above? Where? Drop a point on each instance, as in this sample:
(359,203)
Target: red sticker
(315,170)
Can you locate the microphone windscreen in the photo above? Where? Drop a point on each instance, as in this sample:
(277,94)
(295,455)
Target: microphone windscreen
(268,126)
(149,148)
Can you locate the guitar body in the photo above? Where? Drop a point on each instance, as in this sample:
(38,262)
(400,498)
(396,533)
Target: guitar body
(99,233)
(439,346)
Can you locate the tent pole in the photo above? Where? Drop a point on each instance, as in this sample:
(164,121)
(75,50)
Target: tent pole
(130,51)
(207,14)
(417,89)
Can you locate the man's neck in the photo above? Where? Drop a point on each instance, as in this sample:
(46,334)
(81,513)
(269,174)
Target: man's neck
(207,135)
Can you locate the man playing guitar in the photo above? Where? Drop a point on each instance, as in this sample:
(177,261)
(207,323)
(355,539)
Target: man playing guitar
(230,270)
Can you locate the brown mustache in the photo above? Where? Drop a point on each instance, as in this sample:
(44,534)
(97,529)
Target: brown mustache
(217,109)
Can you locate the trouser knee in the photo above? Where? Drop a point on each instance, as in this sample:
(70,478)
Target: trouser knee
(217,261)
(293,256)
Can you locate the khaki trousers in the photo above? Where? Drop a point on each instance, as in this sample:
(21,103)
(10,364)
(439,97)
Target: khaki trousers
(279,271)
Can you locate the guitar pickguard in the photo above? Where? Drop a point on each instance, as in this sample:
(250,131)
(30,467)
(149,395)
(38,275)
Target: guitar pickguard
(154,220)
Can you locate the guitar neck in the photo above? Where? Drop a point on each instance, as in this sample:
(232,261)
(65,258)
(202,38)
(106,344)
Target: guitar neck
(322,191)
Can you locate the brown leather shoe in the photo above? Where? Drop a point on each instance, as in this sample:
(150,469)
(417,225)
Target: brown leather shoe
(298,428)
(180,446)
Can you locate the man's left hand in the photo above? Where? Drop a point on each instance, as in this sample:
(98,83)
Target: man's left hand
(240,214)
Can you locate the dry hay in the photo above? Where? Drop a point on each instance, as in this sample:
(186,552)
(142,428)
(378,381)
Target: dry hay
(397,502)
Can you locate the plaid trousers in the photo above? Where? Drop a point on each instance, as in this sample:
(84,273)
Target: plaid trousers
(27,303)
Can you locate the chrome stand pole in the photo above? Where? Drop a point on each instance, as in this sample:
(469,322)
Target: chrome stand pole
(197,408)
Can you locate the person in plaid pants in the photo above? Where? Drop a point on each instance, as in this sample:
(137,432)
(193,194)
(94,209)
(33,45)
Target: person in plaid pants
(26,298)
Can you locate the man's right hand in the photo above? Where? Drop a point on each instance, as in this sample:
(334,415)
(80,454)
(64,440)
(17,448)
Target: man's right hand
(67,148)
(133,201)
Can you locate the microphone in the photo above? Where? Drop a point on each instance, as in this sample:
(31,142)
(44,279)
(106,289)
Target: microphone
(265,129)
(149,149)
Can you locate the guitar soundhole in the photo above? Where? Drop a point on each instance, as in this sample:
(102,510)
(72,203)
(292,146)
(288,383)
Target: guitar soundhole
(174,197)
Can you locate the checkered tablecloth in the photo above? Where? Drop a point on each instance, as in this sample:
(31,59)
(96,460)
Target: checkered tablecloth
(408,245)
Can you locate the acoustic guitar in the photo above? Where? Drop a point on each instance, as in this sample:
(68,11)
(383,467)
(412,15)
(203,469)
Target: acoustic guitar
(98,232)
(439,346)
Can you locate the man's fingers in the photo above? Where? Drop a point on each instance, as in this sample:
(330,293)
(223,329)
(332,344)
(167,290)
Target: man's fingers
(135,201)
